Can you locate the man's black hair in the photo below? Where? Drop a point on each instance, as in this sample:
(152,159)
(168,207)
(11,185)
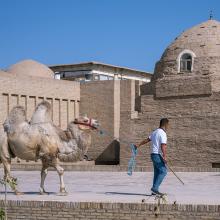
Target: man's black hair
(163,122)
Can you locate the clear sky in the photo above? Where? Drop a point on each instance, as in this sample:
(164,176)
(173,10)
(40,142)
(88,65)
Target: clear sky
(131,33)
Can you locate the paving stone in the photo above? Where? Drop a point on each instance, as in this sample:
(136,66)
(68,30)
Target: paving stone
(116,187)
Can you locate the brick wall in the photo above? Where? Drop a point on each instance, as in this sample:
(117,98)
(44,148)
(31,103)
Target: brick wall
(183,86)
(29,91)
(99,100)
(193,137)
(41,210)
(111,102)
(127,111)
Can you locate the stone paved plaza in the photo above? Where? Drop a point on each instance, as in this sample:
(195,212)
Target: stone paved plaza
(199,188)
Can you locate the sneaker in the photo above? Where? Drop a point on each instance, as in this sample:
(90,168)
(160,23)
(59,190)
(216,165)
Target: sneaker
(156,193)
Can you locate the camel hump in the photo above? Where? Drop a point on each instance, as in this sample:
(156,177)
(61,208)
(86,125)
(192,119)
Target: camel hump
(46,104)
(42,113)
(17,111)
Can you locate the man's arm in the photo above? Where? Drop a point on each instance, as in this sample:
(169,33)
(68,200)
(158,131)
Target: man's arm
(163,148)
(145,141)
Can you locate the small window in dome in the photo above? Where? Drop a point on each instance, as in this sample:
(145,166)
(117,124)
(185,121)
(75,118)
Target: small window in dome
(186,63)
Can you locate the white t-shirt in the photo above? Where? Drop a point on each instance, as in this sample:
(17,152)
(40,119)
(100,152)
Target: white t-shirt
(157,138)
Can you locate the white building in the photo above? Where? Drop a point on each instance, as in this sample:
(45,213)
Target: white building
(92,71)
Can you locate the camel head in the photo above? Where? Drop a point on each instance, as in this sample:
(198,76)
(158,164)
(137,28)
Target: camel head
(81,124)
(85,123)
(80,129)
(16,116)
(42,113)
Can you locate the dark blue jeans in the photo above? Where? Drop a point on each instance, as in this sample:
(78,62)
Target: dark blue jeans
(160,170)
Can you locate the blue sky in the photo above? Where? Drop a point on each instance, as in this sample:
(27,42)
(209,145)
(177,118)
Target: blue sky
(131,33)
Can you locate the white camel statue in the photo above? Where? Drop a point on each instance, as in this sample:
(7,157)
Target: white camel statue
(41,139)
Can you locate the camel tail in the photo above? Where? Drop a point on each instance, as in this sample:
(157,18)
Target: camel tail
(70,157)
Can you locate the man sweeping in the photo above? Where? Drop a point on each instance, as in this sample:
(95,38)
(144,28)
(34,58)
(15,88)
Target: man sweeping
(158,139)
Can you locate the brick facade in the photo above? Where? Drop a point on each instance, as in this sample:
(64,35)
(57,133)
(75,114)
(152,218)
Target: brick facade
(193,138)
(91,211)
(29,91)
(190,99)
(100,100)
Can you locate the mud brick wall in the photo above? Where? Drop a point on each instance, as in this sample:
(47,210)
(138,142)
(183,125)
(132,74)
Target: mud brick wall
(40,210)
(105,101)
(193,137)
(183,86)
(204,64)
(27,91)
(128,115)
(100,100)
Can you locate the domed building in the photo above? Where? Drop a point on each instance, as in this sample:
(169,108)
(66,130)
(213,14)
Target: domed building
(31,68)
(192,59)
(195,51)
(29,82)
(185,88)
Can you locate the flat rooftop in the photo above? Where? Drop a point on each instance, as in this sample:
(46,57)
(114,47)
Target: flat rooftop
(94,65)
(118,187)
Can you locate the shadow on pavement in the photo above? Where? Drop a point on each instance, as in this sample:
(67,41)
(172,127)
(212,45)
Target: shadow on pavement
(127,194)
(27,193)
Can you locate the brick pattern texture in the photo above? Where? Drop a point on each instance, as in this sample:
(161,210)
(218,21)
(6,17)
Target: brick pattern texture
(97,101)
(108,211)
(29,91)
(193,137)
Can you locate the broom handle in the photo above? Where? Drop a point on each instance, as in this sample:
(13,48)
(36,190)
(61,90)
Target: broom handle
(175,174)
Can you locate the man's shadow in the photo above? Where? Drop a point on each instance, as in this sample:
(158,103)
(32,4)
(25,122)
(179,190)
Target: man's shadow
(127,194)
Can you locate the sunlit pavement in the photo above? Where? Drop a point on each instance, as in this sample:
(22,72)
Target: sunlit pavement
(199,188)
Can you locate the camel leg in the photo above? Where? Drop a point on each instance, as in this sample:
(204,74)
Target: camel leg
(85,156)
(8,177)
(60,171)
(43,177)
(7,169)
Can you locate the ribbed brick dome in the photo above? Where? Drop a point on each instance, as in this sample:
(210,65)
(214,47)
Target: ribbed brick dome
(202,42)
(31,68)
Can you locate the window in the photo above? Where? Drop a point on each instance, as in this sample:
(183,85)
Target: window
(96,77)
(186,63)
(88,77)
(103,77)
